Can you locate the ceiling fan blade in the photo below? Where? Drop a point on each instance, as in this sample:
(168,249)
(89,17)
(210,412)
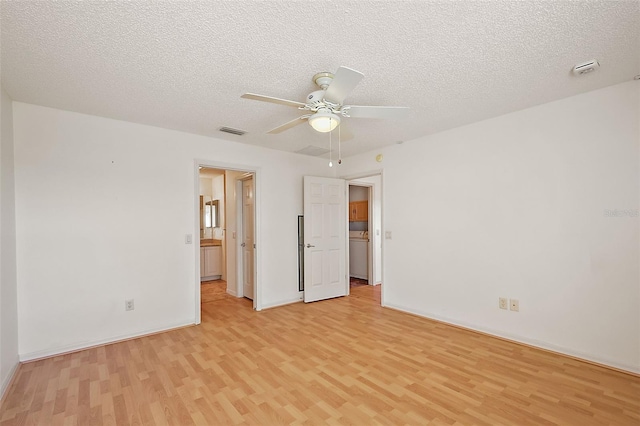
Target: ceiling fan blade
(345,131)
(358,111)
(289,124)
(272,100)
(344,81)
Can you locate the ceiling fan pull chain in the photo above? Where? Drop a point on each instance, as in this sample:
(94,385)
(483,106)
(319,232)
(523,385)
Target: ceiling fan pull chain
(330,162)
(339,147)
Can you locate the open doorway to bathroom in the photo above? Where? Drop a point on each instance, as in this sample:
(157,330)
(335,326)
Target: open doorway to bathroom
(226,220)
(212,202)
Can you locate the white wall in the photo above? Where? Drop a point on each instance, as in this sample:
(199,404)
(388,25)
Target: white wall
(358,193)
(218,231)
(515,207)
(206,186)
(97,224)
(218,187)
(8,280)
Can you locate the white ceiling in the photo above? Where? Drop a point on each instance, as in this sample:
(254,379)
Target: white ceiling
(184,64)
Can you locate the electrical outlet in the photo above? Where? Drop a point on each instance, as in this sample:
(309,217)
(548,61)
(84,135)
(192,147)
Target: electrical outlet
(502,302)
(514,305)
(128,305)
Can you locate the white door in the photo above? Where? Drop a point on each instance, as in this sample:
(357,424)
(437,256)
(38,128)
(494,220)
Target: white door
(324,238)
(247,238)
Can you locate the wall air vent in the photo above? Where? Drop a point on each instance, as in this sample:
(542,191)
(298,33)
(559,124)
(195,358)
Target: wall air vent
(313,151)
(232,131)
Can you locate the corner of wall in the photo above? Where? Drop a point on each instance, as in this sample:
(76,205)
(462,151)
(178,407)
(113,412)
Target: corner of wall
(8,276)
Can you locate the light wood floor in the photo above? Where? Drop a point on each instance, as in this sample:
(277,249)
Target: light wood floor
(212,291)
(340,361)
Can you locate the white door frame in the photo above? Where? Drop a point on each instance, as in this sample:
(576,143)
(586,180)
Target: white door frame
(257,301)
(349,179)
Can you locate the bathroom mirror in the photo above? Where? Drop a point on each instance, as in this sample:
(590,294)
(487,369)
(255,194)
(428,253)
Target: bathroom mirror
(209,217)
(205,215)
(212,211)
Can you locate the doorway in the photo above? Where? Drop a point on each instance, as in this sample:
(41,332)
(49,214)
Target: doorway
(221,224)
(360,265)
(326,235)
(368,187)
(325,242)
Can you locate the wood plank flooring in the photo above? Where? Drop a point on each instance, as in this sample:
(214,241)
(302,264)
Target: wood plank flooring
(212,291)
(340,361)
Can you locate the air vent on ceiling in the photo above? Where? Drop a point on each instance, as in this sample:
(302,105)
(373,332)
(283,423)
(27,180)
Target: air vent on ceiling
(586,68)
(232,131)
(313,151)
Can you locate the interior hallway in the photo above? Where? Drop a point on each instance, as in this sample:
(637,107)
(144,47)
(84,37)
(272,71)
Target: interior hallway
(343,361)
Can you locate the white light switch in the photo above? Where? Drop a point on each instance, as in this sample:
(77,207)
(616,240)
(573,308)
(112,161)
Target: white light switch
(387,235)
(188,239)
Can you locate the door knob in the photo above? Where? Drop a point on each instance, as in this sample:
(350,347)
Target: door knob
(243,245)
(309,246)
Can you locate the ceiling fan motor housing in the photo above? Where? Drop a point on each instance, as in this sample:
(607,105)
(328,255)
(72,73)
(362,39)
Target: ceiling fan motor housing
(315,97)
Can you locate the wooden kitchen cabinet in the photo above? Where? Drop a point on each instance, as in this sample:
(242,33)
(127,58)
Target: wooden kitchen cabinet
(210,262)
(358,211)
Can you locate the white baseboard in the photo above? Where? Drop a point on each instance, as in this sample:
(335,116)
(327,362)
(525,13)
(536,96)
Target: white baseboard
(521,339)
(47,353)
(8,380)
(211,278)
(281,303)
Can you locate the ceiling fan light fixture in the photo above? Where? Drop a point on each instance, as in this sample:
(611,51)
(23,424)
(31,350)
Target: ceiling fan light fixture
(325,108)
(324,121)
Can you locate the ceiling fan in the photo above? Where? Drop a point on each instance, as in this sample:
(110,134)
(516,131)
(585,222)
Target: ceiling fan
(326,106)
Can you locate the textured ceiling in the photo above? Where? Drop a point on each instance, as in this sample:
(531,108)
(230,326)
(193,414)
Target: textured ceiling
(183,64)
